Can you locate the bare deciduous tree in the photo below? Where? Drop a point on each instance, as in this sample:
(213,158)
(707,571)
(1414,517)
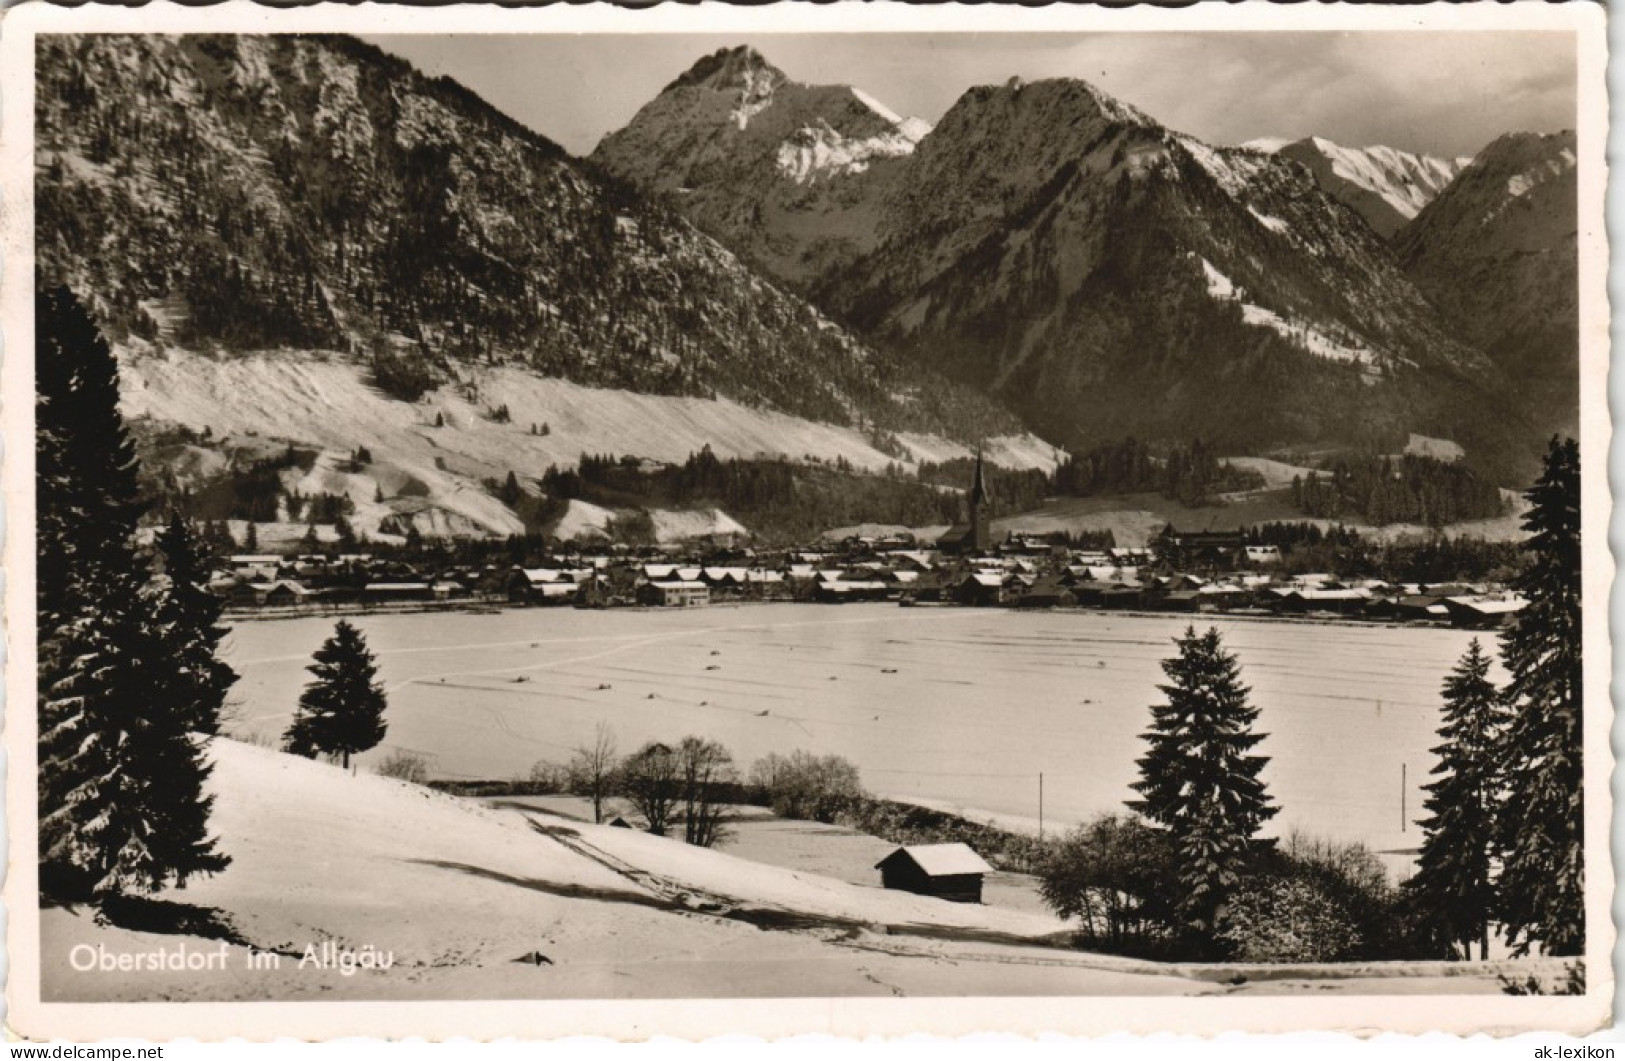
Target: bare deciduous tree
(704,766)
(593,769)
(652,782)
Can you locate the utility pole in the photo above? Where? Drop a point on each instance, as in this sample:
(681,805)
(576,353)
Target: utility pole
(1403,769)
(1041,805)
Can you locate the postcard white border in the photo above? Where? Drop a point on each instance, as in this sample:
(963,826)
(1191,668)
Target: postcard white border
(854,1017)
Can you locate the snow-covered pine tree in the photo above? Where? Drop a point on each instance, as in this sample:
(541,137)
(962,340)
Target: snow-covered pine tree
(88,499)
(1452,892)
(1199,780)
(1541,833)
(120,777)
(186,621)
(341,711)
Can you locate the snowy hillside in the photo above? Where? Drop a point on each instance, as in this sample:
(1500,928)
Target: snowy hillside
(458,895)
(431,476)
(462,900)
(234,194)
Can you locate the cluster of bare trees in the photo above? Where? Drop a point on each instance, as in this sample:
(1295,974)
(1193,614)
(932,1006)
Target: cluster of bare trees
(688,782)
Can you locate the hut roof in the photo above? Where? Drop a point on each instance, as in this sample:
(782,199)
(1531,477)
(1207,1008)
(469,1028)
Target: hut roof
(941,860)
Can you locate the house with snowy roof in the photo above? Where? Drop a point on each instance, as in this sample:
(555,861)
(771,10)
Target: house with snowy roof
(945,871)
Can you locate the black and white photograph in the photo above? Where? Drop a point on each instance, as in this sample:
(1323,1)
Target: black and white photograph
(752,510)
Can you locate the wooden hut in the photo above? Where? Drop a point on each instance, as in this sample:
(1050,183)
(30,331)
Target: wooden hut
(946,871)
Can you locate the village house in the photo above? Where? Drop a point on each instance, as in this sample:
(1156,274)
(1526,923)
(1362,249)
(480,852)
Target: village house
(1483,612)
(980,589)
(674,594)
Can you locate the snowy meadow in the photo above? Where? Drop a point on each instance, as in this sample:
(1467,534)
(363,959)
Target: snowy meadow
(956,708)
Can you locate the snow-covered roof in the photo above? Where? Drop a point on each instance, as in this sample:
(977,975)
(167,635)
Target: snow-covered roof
(942,860)
(1490,606)
(543,574)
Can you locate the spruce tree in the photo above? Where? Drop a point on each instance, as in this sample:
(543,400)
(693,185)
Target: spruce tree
(1453,891)
(341,711)
(120,776)
(186,621)
(87,499)
(1199,780)
(1541,831)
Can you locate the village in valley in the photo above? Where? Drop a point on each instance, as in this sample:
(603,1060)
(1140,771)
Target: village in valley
(1240,573)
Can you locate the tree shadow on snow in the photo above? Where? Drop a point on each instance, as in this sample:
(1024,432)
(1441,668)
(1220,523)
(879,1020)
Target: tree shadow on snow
(167,918)
(547,887)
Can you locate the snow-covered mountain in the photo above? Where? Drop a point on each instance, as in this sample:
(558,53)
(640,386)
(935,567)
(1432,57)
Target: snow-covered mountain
(1096,272)
(1497,254)
(1106,276)
(786,173)
(1388,187)
(318,218)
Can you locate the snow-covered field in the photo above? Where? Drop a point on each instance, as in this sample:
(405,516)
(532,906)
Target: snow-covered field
(458,894)
(961,707)
(453,899)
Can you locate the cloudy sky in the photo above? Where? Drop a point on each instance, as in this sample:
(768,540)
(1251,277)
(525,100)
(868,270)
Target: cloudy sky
(1442,93)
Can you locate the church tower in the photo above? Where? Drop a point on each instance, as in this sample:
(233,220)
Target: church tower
(980,504)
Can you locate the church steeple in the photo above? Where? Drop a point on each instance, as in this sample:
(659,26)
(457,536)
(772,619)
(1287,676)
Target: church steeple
(981,524)
(978,486)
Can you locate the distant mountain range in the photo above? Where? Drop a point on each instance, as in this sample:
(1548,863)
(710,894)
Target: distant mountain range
(261,222)
(1094,271)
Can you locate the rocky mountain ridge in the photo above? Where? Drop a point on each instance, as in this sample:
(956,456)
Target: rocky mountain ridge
(1099,273)
(1386,186)
(1497,254)
(302,243)
(784,172)
(334,198)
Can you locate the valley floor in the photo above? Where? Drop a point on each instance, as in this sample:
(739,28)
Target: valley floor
(475,901)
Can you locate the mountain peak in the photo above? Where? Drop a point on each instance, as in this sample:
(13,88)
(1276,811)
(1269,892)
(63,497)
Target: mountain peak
(1060,93)
(741,66)
(1387,186)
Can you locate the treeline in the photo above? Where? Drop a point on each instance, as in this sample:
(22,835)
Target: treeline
(1412,490)
(1191,474)
(1437,558)
(1009,490)
(779,500)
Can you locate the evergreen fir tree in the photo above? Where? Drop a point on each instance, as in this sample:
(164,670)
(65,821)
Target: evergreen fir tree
(251,540)
(1541,832)
(88,499)
(1453,892)
(120,776)
(186,620)
(341,712)
(1199,780)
